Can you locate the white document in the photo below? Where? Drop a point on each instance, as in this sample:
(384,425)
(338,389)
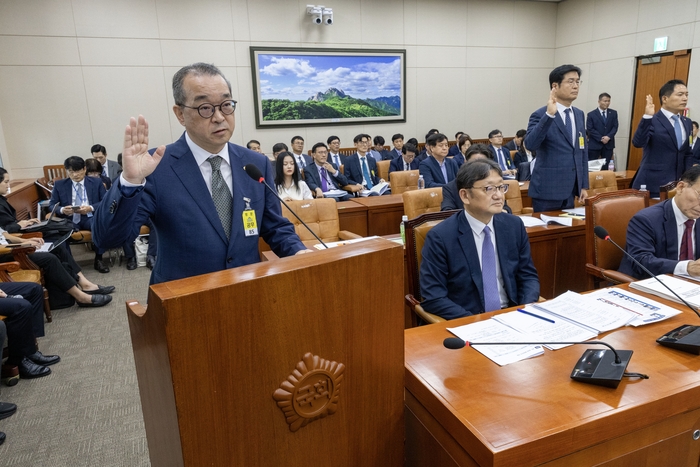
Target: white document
(530,221)
(379,188)
(335,194)
(318,246)
(580,211)
(491,330)
(586,311)
(567,221)
(45,248)
(689,291)
(540,330)
(647,310)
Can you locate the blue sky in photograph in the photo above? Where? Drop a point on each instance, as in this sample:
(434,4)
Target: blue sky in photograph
(296,77)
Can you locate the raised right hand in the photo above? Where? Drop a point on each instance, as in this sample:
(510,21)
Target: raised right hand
(552,103)
(649,109)
(137,162)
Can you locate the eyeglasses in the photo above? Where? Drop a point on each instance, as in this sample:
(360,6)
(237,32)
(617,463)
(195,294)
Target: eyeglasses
(491,189)
(362,143)
(573,81)
(207,110)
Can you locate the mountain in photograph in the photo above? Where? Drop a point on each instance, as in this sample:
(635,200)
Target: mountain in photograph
(333,103)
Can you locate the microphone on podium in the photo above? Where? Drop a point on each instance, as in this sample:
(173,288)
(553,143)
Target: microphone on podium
(686,337)
(599,367)
(254,172)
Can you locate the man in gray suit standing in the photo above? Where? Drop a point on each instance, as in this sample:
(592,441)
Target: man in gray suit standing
(110,169)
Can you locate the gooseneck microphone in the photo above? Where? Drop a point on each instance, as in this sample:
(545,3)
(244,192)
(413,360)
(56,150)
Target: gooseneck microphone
(254,172)
(685,337)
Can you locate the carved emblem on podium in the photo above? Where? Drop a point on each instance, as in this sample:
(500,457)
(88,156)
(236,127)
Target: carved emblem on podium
(311,391)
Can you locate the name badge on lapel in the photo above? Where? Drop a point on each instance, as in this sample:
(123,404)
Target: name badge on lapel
(581,141)
(250,225)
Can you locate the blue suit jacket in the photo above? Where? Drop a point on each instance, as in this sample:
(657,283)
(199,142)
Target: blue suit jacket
(313,180)
(662,161)
(454,150)
(342,159)
(597,129)
(459,159)
(397,163)
(450,272)
(561,167)
(652,240)
(506,155)
(62,194)
(353,169)
(696,153)
(430,170)
(191,240)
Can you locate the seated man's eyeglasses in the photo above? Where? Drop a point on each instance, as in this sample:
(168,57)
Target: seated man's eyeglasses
(491,189)
(207,110)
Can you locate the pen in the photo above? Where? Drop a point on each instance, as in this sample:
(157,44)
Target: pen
(536,316)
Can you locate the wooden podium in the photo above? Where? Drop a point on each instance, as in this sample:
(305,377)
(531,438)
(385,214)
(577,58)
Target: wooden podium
(297,361)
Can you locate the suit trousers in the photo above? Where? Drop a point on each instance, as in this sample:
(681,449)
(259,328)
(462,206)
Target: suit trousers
(21,321)
(605,153)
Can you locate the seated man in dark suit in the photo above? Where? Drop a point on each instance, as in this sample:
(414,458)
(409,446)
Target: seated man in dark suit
(454,149)
(515,143)
(397,141)
(425,153)
(110,169)
(696,145)
(407,159)
(301,159)
(478,260)
(438,170)
(323,176)
(502,154)
(665,237)
(379,147)
(334,155)
(361,168)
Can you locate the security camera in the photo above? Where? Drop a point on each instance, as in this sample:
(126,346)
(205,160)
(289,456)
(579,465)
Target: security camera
(316,13)
(328,16)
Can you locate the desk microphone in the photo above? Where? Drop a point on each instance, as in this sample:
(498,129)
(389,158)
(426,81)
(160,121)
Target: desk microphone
(599,367)
(254,172)
(686,337)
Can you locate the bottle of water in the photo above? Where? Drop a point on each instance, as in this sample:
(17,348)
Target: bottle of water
(642,188)
(404,219)
(611,164)
(421,182)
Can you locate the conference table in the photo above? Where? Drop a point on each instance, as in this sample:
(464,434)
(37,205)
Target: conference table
(464,410)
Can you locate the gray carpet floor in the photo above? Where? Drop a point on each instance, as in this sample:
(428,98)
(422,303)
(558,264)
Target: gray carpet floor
(88,411)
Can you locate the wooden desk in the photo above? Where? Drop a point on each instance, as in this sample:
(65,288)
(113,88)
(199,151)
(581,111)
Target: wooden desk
(384,213)
(24,197)
(462,409)
(353,217)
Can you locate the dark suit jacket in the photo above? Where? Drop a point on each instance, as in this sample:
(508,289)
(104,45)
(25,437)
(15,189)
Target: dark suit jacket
(450,272)
(454,150)
(662,161)
(8,216)
(652,240)
(524,173)
(506,154)
(313,180)
(597,129)
(561,166)
(397,163)
(696,153)
(510,145)
(342,159)
(521,157)
(430,170)
(353,169)
(451,199)
(387,155)
(307,159)
(191,240)
(63,195)
(459,159)
(113,170)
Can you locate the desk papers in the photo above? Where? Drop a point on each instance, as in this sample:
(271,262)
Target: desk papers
(647,310)
(689,291)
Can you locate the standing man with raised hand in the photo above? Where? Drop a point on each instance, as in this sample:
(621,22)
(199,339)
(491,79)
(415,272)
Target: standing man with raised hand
(664,137)
(196,184)
(557,132)
(602,126)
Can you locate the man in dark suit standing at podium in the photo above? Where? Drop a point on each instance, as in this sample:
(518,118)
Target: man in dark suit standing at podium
(602,126)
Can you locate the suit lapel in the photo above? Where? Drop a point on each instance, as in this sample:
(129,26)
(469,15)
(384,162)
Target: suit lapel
(667,125)
(560,124)
(466,242)
(670,231)
(504,243)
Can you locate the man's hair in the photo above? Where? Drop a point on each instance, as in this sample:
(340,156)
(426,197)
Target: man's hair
(98,148)
(294,138)
(604,94)
(331,139)
(493,133)
(431,132)
(316,146)
(557,74)
(479,148)
(379,141)
(279,169)
(436,138)
(360,137)
(279,147)
(412,141)
(396,136)
(74,163)
(92,165)
(251,142)
(696,124)
(520,133)
(196,69)
(2,173)
(458,134)
(667,89)
(690,176)
(474,171)
(409,147)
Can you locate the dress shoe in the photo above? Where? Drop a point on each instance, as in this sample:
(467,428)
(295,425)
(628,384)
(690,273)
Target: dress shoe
(131,263)
(28,369)
(100,266)
(45,360)
(150,262)
(7,409)
(101,289)
(2,438)
(96,301)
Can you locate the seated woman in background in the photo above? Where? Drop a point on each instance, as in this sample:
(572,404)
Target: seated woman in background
(465,142)
(287,179)
(93,168)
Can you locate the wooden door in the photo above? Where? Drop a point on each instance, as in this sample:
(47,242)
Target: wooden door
(650,78)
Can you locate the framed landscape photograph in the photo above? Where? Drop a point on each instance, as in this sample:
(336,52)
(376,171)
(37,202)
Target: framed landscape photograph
(306,87)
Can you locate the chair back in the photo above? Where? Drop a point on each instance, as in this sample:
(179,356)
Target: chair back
(601,182)
(55,172)
(416,231)
(667,191)
(513,197)
(419,202)
(321,215)
(403,180)
(613,211)
(383,170)
(45,187)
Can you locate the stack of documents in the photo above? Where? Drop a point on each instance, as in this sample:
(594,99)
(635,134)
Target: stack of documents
(689,291)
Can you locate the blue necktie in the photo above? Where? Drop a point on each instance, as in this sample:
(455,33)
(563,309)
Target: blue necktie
(79,198)
(365,172)
(567,124)
(677,127)
(492,299)
(605,117)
